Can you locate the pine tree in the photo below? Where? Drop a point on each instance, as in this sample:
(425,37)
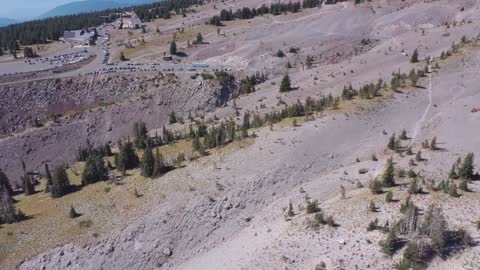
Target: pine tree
(389,197)
(375,187)
(453,174)
(159,166)
(122,57)
(391,142)
(403,135)
(285,84)
(28,187)
(466,169)
(61,183)
(172,119)
(127,159)
(199,39)
(433,143)
(141,135)
(173,48)
(372,207)
(414,58)
(418,156)
(290,212)
(95,170)
(342,192)
(48,175)
(389,246)
(5,182)
(388,174)
(7,208)
(148,162)
(196,143)
(464,186)
(72,214)
(411,173)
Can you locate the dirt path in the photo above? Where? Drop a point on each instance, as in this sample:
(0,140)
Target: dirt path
(419,123)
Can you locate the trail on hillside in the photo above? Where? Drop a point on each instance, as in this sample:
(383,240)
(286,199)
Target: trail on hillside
(419,123)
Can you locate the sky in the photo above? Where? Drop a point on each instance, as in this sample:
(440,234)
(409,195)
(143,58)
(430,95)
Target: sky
(24,9)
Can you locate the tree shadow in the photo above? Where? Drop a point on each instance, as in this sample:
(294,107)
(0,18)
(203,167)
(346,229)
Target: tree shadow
(181,54)
(476,177)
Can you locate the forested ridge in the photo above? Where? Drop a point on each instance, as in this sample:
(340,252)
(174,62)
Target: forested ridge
(42,31)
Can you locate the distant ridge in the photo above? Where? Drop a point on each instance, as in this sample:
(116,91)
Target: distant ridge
(6,21)
(80,7)
(91,6)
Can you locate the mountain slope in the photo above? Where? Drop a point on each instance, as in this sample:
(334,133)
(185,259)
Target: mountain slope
(80,7)
(6,21)
(91,5)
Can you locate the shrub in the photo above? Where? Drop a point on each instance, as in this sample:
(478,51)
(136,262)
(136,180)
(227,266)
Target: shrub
(390,245)
(320,218)
(372,207)
(411,173)
(330,221)
(375,187)
(362,171)
(373,225)
(85,223)
(389,197)
(312,207)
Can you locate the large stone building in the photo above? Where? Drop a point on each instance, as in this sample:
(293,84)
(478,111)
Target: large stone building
(130,20)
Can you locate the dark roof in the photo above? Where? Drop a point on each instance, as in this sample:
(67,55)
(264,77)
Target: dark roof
(69,34)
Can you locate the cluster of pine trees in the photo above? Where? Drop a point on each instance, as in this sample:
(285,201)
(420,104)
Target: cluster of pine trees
(274,9)
(248,84)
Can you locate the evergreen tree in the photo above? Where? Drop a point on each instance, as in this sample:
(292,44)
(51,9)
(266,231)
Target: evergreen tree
(5,182)
(464,186)
(72,214)
(389,246)
(48,175)
(141,135)
(433,143)
(122,57)
(61,183)
(290,212)
(173,48)
(148,162)
(285,84)
(375,187)
(95,170)
(172,119)
(453,174)
(159,167)
(127,159)
(196,143)
(389,197)
(28,187)
(403,135)
(199,39)
(418,156)
(414,58)
(388,174)
(466,169)
(372,207)
(391,142)
(7,208)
